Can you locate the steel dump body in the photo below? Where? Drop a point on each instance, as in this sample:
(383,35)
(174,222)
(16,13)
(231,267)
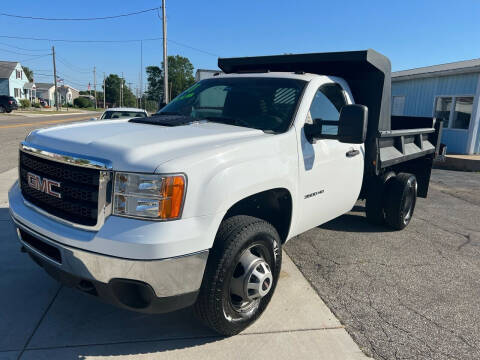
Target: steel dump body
(390,140)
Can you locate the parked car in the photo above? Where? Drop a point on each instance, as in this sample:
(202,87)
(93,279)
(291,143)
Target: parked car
(122,113)
(192,205)
(7,104)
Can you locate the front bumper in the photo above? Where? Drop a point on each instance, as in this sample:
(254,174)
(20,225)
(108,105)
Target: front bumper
(151,286)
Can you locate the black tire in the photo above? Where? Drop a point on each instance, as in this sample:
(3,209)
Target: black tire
(8,111)
(400,201)
(375,199)
(215,303)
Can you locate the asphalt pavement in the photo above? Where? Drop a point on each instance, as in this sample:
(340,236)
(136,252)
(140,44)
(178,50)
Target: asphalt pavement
(410,294)
(15,127)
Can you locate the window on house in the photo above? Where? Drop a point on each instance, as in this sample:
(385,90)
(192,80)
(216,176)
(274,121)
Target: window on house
(398,105)
(455,111)
(17,92)
(463,112)
(19,74)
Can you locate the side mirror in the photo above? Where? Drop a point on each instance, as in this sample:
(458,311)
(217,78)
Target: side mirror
(352,125)
(93,119)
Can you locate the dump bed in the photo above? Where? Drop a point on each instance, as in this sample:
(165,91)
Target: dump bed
(390,140)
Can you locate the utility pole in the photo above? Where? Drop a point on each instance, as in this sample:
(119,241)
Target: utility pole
(95,85)
(104,91)
(121,91)
(141,73)
(55,76)
(165,57)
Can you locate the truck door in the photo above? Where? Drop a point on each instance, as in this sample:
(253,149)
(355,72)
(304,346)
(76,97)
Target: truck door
(332,172)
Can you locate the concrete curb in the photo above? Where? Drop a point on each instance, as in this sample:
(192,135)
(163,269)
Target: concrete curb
(459,163)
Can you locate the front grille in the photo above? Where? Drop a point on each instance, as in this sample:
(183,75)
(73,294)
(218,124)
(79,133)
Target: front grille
(79,189)
(42,247)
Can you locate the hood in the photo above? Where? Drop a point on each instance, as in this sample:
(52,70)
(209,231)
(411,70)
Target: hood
(138,147)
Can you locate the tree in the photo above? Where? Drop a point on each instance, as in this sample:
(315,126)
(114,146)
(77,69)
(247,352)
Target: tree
(180,77)
(28,73)
(155,83)
(112,92)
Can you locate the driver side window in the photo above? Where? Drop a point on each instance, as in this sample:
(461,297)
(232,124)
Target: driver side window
(326,105)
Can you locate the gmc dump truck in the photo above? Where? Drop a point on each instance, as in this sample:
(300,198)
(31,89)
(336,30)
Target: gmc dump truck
(191,206)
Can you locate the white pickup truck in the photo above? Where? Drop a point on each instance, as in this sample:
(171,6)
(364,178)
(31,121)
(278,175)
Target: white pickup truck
(192,205)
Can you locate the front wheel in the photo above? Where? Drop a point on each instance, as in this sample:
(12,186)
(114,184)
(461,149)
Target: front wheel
(241,274)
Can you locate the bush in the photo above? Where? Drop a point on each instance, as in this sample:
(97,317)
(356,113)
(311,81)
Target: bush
(83,102)
(25,103)
(36,105)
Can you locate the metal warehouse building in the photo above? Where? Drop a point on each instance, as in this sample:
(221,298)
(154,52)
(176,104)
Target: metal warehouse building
(449,91)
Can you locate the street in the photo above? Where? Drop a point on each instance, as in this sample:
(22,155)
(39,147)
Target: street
(411,294)
(14,128)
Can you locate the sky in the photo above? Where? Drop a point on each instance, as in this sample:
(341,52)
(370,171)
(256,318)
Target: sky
(411,33)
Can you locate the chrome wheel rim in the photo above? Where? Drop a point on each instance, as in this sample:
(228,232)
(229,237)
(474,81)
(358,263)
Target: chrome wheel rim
(252,279)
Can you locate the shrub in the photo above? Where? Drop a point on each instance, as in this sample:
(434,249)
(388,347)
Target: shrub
(83,102)
(36,105)
(25,103)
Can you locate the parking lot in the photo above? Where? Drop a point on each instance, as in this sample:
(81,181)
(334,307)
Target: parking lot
(411,294)
(400,295)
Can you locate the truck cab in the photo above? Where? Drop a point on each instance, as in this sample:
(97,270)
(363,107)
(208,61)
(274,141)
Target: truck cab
(191,206)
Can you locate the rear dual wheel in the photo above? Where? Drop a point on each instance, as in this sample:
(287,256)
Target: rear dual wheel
(241,274)
(391,200)
(401,200)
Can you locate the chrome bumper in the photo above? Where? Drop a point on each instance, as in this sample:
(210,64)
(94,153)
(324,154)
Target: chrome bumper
(167,277)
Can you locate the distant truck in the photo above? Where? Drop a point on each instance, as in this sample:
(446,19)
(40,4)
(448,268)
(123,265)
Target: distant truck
(192,205)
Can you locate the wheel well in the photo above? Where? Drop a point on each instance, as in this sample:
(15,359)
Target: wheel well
(274,206)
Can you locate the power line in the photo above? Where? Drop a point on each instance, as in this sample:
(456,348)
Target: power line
(34,58)
(79,19)
(110,41)
(20,48)
(193,48)
(72,67)
(78,41)
(16,53)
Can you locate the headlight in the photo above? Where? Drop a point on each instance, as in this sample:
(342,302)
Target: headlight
(149,195)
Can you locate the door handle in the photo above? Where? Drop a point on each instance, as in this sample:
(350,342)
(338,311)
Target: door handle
(352,153)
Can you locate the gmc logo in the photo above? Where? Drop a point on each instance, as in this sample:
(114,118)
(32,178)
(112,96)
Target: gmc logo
(44,185)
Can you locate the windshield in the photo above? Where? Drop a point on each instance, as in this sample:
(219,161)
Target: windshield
(261,103)
(122,115)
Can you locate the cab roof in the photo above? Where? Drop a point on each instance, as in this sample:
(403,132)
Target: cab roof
(367,72)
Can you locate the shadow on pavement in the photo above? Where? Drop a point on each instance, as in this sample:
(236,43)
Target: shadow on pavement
(354,222)
(36,315)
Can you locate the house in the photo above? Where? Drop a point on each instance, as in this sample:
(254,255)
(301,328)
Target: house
(66,94)
(30,91)
(202,74)
(46,91)
(12,79)
(450,92)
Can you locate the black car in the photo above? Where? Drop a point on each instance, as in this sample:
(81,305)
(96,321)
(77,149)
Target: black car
(7,104)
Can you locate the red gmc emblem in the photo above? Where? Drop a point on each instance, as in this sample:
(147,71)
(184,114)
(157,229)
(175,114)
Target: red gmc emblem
(44,185)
